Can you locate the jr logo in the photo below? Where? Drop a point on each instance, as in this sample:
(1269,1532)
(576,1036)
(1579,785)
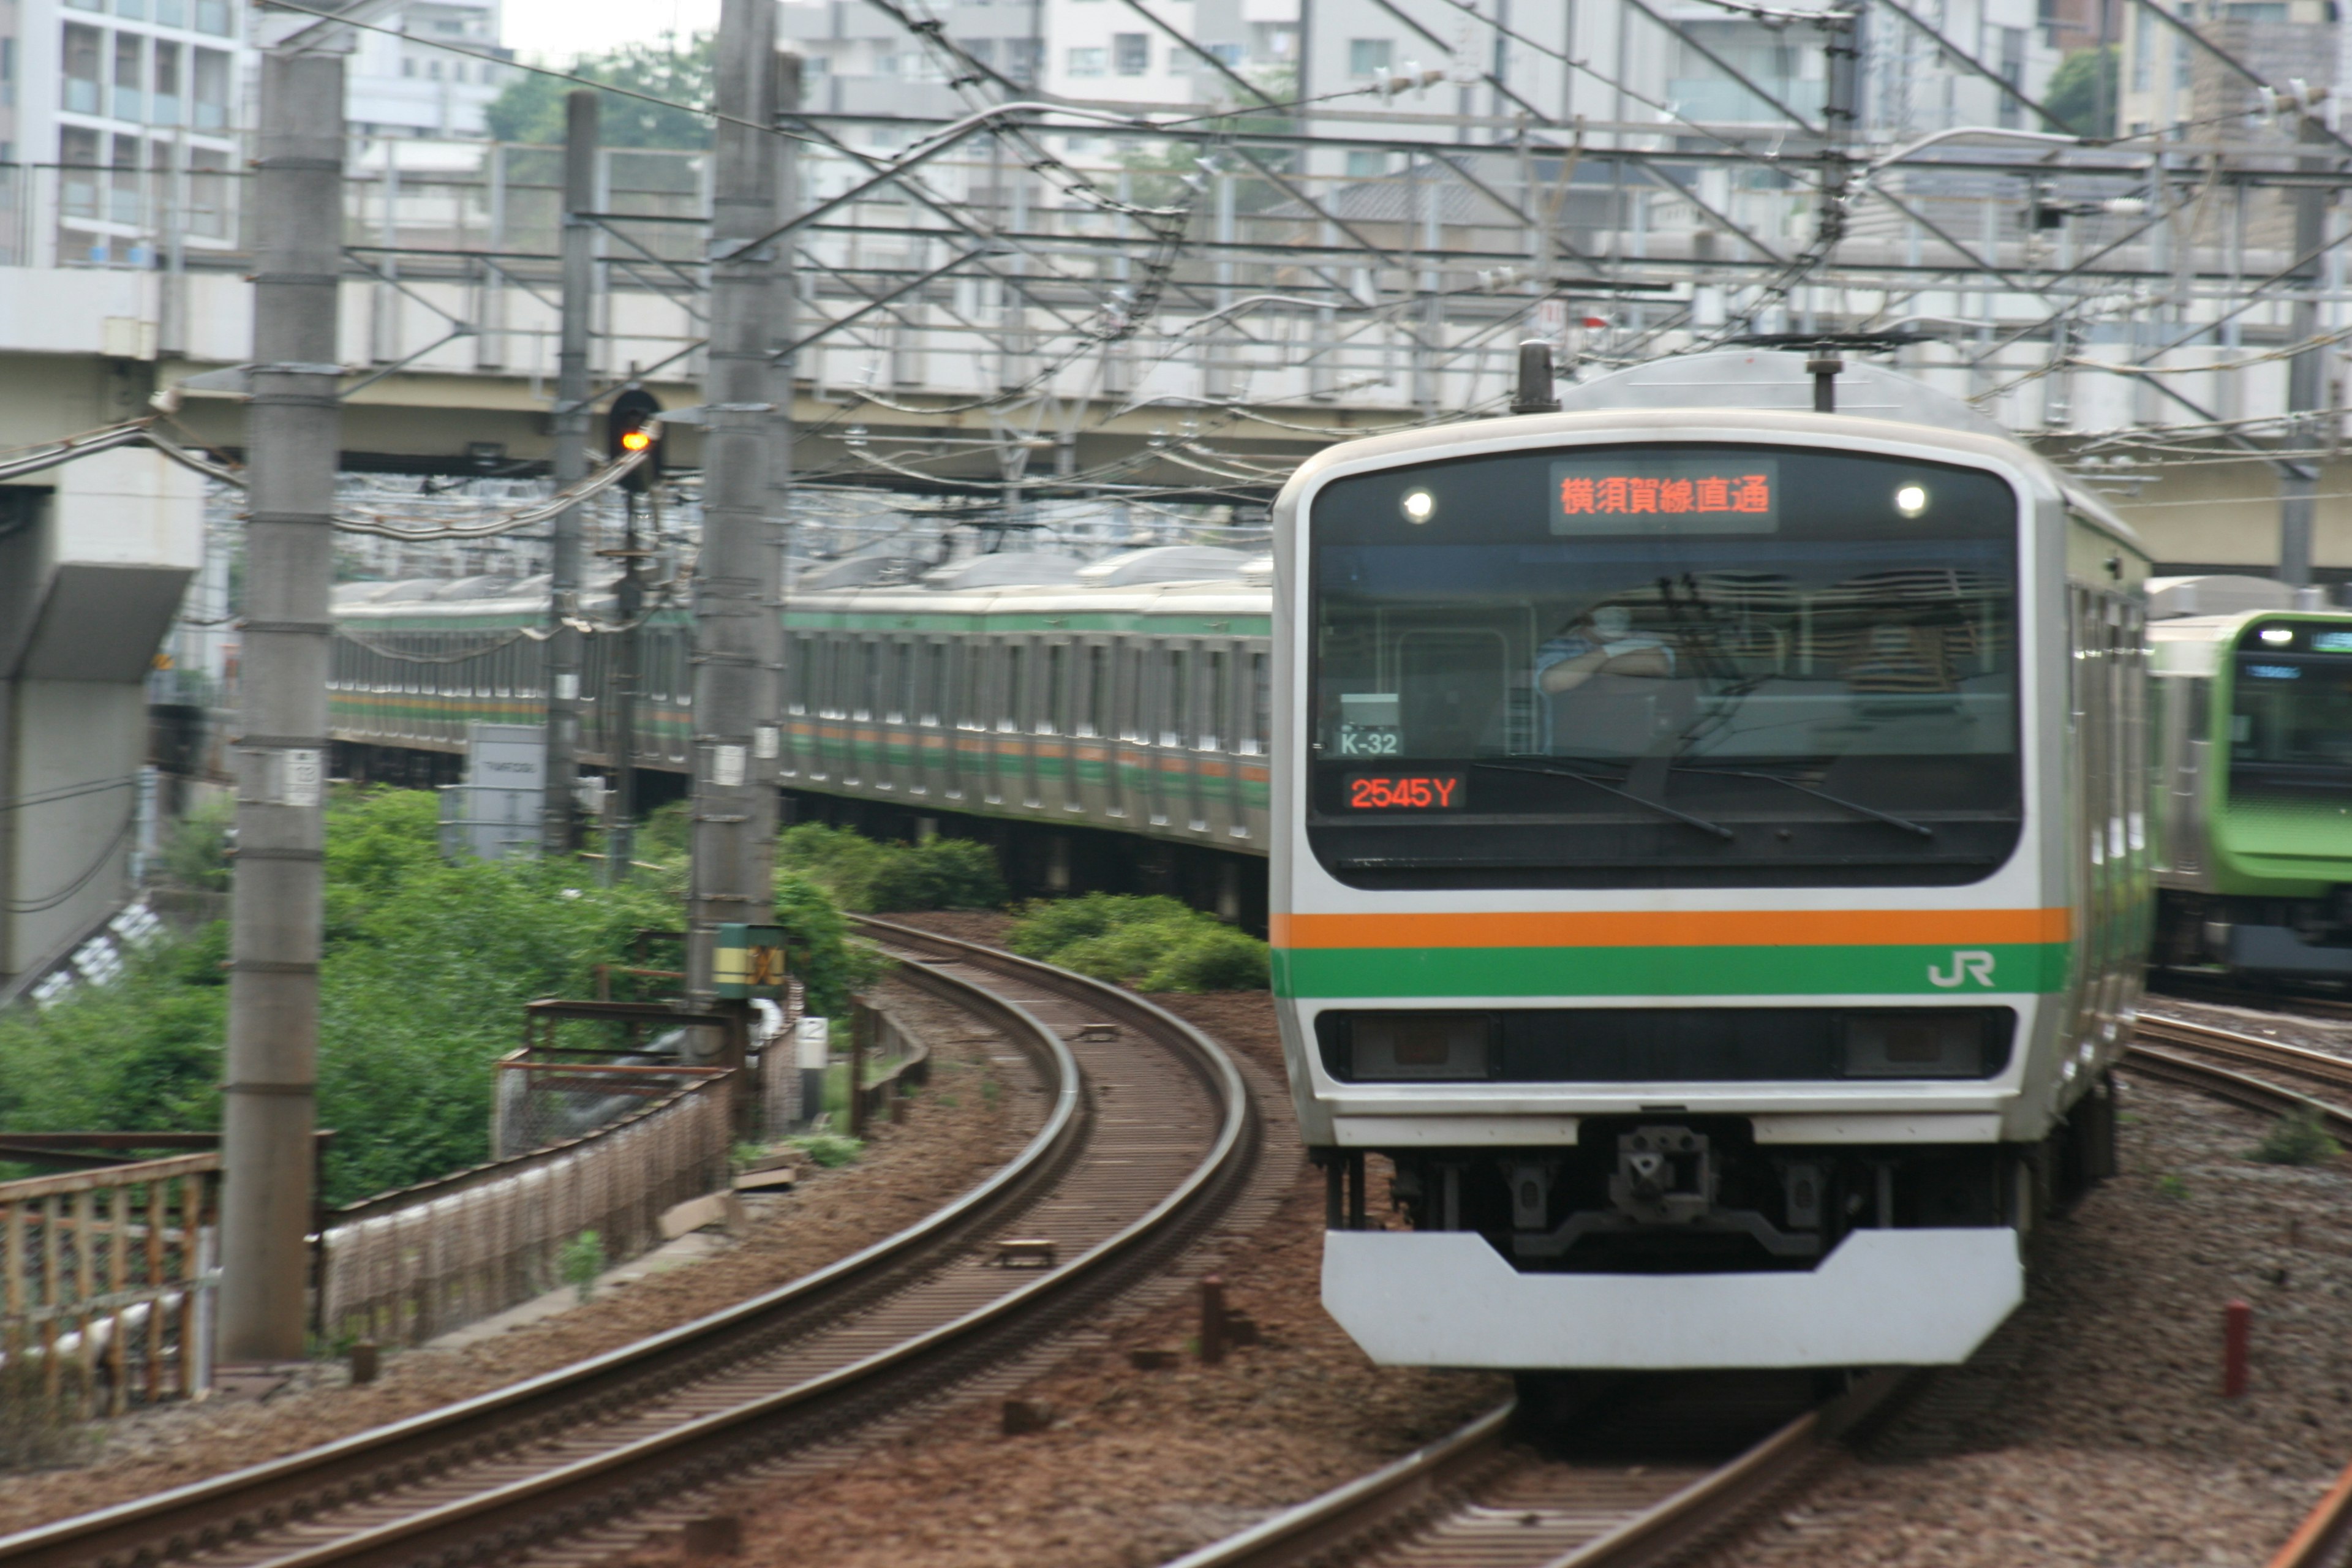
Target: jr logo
(1968,964)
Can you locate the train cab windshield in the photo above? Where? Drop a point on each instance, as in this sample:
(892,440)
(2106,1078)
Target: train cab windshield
(1663,666)
(2290,710)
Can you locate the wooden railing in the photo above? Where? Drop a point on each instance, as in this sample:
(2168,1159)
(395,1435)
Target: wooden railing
(107,1275)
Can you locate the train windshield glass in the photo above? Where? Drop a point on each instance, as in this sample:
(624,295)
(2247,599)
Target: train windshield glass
(1664,665)
(2290,710)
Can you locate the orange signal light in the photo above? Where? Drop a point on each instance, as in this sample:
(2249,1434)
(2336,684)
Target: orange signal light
(636,440)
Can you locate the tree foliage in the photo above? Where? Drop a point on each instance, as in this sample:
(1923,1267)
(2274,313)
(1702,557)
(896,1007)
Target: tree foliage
(530,107)
(426,967)
(872,877)
(2082,91)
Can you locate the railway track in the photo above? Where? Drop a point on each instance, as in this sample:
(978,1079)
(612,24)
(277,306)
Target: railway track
(1656,1466)
(2285,998)
(2224,1063)
(1136,1153)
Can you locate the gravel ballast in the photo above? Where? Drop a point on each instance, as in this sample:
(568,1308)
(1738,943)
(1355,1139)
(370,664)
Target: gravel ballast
(2090,1428)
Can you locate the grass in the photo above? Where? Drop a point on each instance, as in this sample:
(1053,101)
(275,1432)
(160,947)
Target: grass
(582,1259)
(829,1150)
(2295,1139)
(41,1427)
(1149,943)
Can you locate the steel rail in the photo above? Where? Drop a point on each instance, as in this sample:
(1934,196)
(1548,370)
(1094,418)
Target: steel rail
(1391,1510)
(2159,1052)
(568,1497)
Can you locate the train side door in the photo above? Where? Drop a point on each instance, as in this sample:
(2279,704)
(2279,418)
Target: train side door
(1056,725)
(1094,776)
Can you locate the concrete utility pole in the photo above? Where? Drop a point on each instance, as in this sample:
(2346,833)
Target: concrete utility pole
(566,647)
(783,317)
(737,639)
(2307,371)
(293,432)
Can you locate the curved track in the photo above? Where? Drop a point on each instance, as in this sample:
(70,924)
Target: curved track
(2224,1063)
(628,1439)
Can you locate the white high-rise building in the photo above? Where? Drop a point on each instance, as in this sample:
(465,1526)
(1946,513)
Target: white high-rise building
(402,85)
(123,116)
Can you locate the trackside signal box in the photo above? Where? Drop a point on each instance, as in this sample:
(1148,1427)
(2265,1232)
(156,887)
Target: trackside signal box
(749,961)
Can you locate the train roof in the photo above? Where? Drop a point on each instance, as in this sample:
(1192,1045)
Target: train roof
(1248,597)
(1761,390)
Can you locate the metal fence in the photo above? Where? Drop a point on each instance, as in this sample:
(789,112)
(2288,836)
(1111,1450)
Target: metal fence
(409,1265)
(106,1277)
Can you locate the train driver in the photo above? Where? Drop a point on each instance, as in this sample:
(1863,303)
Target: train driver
(1600,641)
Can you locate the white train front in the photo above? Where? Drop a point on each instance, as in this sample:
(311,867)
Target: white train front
(1709,864)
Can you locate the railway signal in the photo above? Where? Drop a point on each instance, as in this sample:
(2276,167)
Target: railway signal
(633,424)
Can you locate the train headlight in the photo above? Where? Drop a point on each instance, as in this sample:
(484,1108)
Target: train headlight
(2278,636)
(1916,1043)
(1406,1047)
(1420,506)
(1911,499)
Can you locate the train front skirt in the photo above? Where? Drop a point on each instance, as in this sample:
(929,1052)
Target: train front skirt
(1883,1298)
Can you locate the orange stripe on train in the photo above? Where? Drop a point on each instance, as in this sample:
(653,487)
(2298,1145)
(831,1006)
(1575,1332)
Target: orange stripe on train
(1665,928)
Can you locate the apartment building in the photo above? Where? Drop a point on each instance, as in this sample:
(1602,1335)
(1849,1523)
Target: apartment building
(399,84)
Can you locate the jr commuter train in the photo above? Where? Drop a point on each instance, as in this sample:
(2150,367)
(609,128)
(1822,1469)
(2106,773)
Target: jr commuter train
(2252,708)
(1710,863)
(1710,841)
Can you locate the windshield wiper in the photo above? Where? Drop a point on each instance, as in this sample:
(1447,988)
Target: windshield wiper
(1906,824)
(1686,818)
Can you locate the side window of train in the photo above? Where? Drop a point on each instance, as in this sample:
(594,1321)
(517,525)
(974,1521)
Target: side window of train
(804,687)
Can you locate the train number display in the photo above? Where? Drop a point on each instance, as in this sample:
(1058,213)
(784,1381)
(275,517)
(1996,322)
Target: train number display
(1403,791)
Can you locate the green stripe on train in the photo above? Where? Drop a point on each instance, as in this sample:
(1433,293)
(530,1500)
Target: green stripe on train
(1440,972)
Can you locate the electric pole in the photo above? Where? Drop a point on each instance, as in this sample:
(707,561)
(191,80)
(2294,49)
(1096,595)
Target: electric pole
(783,319)
(293,433)
(2307,371)
(737,639)
(565,646)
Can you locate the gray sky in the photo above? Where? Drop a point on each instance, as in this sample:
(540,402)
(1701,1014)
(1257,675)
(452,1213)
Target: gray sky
(550,31)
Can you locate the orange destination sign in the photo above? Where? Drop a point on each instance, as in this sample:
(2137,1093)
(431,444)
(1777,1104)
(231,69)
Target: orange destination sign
(1733,494)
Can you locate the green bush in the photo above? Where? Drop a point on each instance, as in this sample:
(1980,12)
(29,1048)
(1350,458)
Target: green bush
(1149,943)
(829,1150)
(871,876)
(582,1259)
(426,967)
(1047,926)
(2296,1139)
(195,855)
